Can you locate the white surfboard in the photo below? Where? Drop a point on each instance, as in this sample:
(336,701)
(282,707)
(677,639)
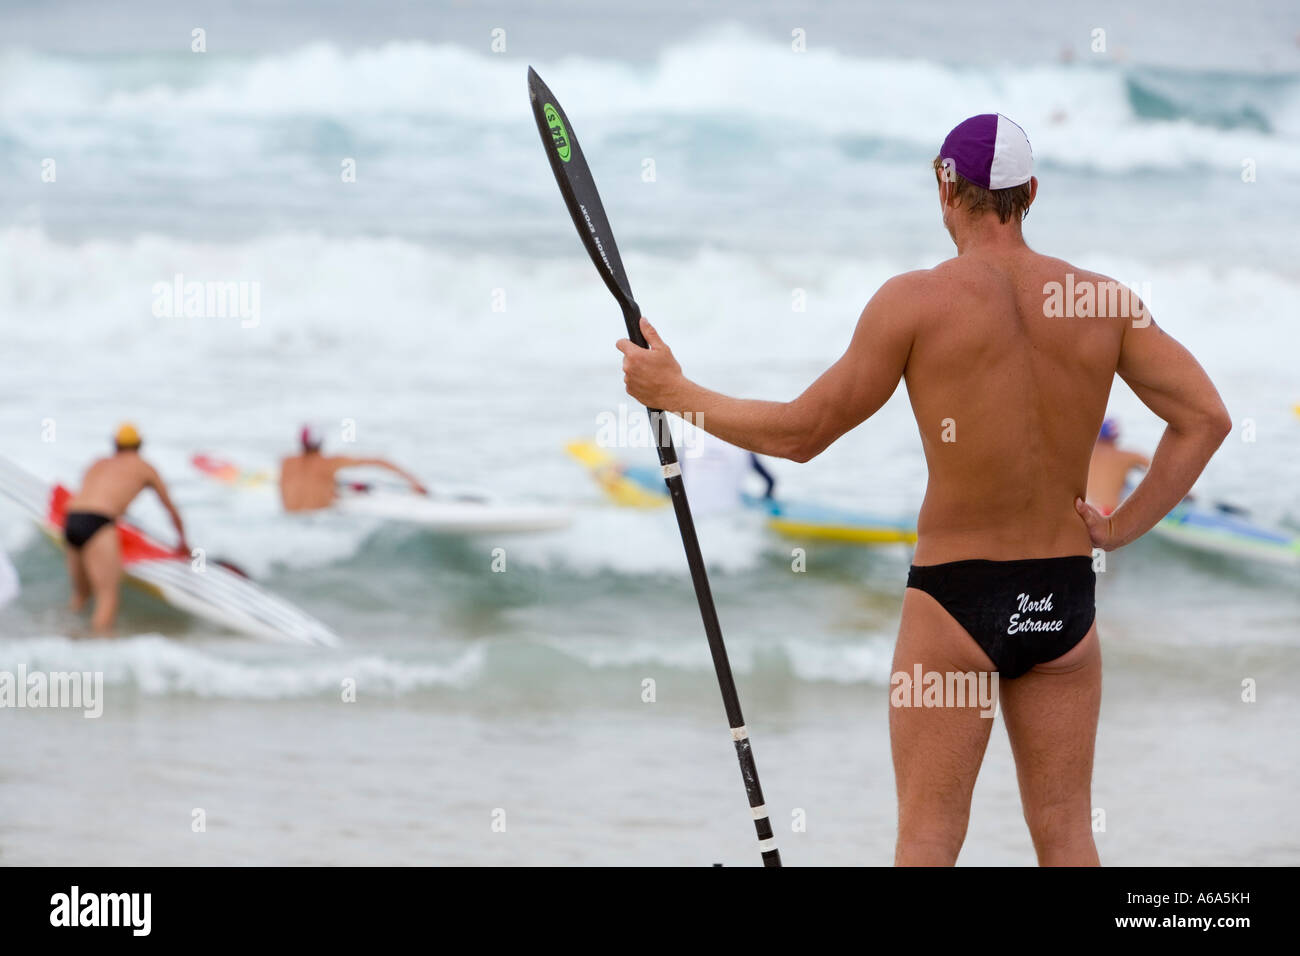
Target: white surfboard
(213,593)
(377,496)
(1233,535)
(453,515)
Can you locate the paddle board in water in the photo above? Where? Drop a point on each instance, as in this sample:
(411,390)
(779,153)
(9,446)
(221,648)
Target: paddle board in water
(1218,530)
(216,594)
(638,487)
(1227,532)
(808,521)
(445,514)
(451,515)
(625,486)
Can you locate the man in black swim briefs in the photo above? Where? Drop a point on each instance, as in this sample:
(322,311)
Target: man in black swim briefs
(93,553)
(1008,397)
(80,526)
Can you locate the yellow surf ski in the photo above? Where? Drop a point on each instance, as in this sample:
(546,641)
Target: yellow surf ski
(608,472)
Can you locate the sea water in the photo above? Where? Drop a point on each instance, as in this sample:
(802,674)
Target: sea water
(438,305)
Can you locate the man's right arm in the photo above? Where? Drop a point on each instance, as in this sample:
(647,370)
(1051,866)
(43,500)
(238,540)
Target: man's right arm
(1171,383)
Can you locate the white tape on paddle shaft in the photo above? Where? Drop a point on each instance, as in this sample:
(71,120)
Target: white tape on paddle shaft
(759,812)
(766,846)
(672,471)
(740,733)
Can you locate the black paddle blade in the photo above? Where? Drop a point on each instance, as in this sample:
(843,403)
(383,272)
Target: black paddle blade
(580,195)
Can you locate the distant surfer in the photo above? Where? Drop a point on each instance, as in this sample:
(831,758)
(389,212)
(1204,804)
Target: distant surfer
(714,472)
(309,480)
(93,550)
(1009,395)
(756,464)
(1109,469)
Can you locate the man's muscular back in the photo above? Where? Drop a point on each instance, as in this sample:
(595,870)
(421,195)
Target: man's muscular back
(1008,400)
(307,481)
(111,484)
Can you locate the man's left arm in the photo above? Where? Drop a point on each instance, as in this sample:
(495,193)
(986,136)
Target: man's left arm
(154,481)
(844,396)
(410,479)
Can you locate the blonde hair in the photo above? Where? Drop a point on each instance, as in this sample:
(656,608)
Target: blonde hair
(975,199)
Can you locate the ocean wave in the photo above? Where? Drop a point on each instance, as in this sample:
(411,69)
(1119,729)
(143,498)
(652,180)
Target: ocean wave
(155,666)
(805,660)
(318,293)
(1106,116)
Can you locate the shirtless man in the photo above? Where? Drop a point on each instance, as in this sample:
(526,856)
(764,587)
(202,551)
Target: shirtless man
(1008,397)
(93,551)
(308,481)
(1108,471)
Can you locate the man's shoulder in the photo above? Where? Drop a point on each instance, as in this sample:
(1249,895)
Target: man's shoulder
(1052,272)
(955,273)
(911,282)
(1071,290)
(120,465)
(925,292)
(1063,269)
(907,289)
(331,464)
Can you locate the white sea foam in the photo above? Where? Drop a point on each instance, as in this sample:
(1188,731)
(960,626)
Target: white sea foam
(1079,115)
(157,666)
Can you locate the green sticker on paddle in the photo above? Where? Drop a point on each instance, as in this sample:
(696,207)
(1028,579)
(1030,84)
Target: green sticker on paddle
(559,135)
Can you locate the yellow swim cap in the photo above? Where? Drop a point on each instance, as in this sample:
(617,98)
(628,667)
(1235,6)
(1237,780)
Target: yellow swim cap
(127,436)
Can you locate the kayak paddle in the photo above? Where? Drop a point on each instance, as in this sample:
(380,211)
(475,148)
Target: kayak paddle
(580,195)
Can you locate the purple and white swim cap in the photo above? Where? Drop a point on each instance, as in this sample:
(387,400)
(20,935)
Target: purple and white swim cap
(990,151)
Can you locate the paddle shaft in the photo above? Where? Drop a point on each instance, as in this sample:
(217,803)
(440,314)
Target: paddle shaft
(708,612)
(578,188)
